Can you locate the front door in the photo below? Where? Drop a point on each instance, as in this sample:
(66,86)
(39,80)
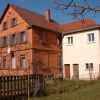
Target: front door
(67,71)
(75,71)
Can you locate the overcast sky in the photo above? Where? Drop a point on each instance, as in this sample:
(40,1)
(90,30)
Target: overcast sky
(40,6)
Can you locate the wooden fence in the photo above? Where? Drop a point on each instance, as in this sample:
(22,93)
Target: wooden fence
(16,86)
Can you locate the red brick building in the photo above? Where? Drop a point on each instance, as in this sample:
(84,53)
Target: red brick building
(29,41)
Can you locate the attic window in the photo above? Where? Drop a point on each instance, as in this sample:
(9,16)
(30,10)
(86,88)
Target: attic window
(14,22)
(9,13)
(5,26)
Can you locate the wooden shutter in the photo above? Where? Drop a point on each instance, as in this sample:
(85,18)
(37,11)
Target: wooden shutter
(26,32)
(45,61)
(9,40)
(19,37)
(1,42)
(16,35)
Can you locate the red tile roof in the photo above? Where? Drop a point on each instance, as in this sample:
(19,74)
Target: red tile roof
(33,18)
(77,25)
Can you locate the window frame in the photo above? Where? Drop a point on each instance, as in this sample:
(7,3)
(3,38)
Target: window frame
(4,58)
(5,25)
(91,37)
(21,41)
(70,40)
(59,62)
(90,66)
(12,42)
(21,65)
(13,22)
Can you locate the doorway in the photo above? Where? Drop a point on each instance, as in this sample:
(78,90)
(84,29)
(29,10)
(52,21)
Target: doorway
(75,71)
(67,71)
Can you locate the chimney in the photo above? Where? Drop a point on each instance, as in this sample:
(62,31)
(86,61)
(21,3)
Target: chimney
(47,14)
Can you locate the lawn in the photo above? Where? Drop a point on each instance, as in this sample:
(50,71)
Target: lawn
(69,90)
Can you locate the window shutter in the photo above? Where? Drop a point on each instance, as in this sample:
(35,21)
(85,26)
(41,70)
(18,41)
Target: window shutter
(16,20)
(45,63)
(7,40)
(26,34)
(19,37)
(7,25)
(0,42)
(11,24)
(16,35)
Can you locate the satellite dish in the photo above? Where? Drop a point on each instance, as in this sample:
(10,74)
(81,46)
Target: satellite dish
(8,50)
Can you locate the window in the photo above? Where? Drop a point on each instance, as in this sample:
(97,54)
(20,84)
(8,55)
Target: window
(70,40)
(14,39)
(13,62)
(91,37)
(23,37)
(45,59)
(59,62)
(89,66)
(44,36)
(5,26)
(59,40)
(4,41)
(14,22)
(4,62)
(22,61)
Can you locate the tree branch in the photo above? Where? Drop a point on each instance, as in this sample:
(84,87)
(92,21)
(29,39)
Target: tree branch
(65,6)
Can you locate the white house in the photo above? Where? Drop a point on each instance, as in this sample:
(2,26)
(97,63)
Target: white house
(81,50)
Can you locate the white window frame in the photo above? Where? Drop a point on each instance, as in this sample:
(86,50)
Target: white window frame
(89,66)
(91,37)
(70,40)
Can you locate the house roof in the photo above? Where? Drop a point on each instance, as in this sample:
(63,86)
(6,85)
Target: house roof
(78,25)
(33,18)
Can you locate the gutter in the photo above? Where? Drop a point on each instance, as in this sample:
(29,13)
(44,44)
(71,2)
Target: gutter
(71,32)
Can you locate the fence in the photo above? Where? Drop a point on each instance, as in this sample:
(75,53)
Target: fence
(16,86)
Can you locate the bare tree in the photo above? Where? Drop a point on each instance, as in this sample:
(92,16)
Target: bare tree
(75,9)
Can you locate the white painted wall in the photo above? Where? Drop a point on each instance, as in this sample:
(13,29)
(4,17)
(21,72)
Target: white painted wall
(82,52)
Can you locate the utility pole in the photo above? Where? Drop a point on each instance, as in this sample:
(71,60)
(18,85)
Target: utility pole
(28,83)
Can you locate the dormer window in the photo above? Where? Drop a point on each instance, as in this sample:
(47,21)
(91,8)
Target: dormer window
(5,26)
(14,22)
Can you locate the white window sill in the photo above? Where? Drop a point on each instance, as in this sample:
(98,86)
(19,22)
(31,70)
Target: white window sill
(69,44)
(91,42)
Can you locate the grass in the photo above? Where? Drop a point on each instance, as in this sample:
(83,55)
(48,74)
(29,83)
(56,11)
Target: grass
(67,90)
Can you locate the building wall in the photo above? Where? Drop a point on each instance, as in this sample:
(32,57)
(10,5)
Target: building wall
(46,51)
(34,48)
(82,52)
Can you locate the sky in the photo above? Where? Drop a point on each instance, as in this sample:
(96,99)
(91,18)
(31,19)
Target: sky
(40,6)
